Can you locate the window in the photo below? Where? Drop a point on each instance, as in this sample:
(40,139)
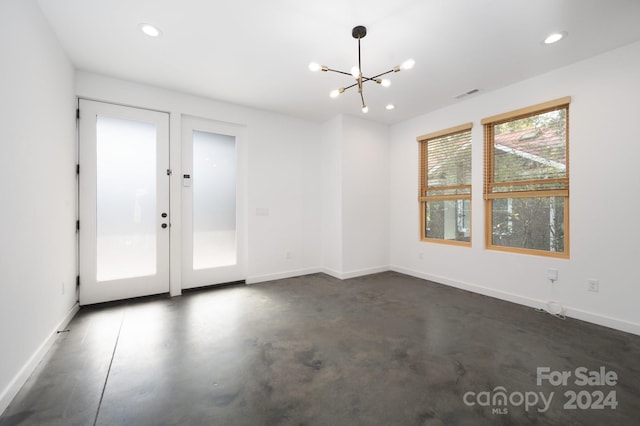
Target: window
(445,186)
(527,179)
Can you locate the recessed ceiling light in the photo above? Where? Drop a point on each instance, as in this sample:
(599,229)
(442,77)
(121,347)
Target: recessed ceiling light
(555,37)
(150,30)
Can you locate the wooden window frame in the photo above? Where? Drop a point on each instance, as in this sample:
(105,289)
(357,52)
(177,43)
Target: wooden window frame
(490,195)
(423,198)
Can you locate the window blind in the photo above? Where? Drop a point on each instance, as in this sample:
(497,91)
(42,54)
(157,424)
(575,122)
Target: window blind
(445,164)
(526,152)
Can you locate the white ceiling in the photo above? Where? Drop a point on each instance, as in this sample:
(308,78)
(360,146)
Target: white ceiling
(256,52)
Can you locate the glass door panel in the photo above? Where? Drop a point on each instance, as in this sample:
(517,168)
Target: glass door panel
(126,198)
(214,200)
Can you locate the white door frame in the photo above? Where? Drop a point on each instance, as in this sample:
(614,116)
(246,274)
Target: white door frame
(92,291)
(197,278)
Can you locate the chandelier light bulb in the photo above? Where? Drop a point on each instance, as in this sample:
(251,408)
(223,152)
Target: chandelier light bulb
(385,82)
(408,64)
(365,109)
(334,93)
(355,72)
(314,66)
(390,107)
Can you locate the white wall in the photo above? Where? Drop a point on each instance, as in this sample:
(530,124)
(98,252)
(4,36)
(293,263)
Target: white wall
(365,196)
(331,193)
(604,147)
(356,196)
(37,189)
(283,174)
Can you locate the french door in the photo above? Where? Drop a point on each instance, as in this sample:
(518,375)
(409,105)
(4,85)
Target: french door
(123,202)
(212,221)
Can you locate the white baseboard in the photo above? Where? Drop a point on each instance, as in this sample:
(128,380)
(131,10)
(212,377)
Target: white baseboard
(615,323)
(570,312)
(332,273)
(353,274)
(29,367)
(308,271)
(282,275)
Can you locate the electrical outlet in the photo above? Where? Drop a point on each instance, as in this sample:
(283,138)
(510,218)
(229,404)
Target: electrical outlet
(552,274)
(593,285)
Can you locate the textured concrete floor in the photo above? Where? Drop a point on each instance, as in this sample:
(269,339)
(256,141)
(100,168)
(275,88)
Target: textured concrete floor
(385,349)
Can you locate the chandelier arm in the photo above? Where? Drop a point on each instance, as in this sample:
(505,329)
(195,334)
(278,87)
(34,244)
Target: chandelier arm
(362,98)
(365,79)
(380,75)
(349,87)
(376,76)
(339,72)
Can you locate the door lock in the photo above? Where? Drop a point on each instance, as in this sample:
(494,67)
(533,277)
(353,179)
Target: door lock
(164,225)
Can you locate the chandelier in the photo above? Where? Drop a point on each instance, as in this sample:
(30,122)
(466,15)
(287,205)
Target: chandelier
(359,33)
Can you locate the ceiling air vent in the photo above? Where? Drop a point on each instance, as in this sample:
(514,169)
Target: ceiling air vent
(469,93)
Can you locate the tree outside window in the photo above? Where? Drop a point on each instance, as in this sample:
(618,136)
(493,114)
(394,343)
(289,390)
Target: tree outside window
(527,180)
